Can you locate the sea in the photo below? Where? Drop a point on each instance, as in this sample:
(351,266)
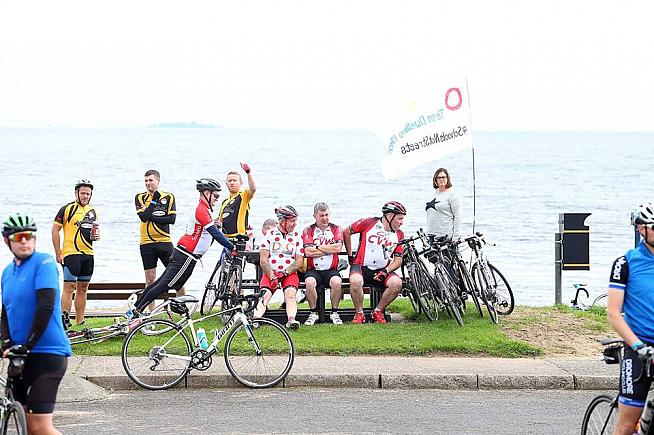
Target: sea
(514,185)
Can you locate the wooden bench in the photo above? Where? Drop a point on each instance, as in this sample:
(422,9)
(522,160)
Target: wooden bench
(113,291)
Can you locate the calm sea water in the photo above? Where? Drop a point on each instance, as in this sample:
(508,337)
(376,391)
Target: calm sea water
(524,180)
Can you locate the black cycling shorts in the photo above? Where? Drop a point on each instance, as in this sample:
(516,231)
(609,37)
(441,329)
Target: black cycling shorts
(37,387)
(151,252)
(78,267)
(322,277)
(368,275)
(177,272)
(633,393)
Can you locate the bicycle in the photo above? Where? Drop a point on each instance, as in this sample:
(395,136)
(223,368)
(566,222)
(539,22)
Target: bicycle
(120,327)
(225,281)
(258,353)
(600,301)
(493,287)
(12,413)
(417,280)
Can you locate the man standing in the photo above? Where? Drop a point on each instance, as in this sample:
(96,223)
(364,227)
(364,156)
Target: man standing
(157,212)
(235,209)
(79,220)
(200,233)
(378,256)
(31,323)
(322,243)
(281,255)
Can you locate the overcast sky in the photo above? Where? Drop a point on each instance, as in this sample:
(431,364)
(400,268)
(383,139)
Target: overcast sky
(548,65)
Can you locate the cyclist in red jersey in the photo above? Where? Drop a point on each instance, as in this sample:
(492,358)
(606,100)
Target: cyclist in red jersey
(281,256)
(200,232)
(377,257)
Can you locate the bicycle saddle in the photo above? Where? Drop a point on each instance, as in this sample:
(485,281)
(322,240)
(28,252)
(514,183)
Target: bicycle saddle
(186,299)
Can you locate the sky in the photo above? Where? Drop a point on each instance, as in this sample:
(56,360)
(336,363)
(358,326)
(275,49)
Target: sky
(544,66)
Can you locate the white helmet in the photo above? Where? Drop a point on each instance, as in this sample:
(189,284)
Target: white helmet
(644,214)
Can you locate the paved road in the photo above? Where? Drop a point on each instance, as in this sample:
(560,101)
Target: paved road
(319,410)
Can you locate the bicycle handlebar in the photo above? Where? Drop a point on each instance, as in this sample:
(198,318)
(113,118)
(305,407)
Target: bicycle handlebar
(251,300)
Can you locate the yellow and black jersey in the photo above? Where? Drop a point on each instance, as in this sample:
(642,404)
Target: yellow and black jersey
(234,213)
(156,216)
(77,221)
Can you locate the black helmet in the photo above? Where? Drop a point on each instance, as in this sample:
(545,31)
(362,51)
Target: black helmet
(394,207)
(208,184)
(285,212)
(83,182)
(16,223)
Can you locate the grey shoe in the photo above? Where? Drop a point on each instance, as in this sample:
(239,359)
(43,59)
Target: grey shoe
(293,324)
(313,318)
(335,318)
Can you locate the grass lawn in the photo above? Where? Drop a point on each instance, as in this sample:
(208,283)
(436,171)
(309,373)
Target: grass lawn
(414,335)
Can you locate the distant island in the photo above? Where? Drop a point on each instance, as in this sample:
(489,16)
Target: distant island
(181,125)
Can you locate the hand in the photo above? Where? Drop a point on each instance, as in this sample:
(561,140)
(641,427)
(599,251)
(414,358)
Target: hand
(59,258)
(234,253)
(246,167)
(644,352)
(350,259)
(156,195)
(380,275)
(279,275)
(17,349)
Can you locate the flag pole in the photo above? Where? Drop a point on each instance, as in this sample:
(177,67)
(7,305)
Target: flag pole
(474,172)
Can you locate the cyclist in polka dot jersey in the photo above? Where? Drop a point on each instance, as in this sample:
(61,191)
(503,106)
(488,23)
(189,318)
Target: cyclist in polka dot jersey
(281,256)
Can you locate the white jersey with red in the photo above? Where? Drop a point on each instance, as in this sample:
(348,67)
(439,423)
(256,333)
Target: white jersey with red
(197,239)
(314,237)
(283,248)
(376,245)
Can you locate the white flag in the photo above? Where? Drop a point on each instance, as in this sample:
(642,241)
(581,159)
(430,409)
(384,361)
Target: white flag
(435,124)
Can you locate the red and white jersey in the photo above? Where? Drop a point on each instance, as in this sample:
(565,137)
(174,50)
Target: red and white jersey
(197,239)
(283,248)
(314,237)
(376,245)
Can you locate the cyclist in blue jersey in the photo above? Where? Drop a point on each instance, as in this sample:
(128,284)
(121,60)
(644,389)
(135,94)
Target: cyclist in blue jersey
(31,322)
(631,314)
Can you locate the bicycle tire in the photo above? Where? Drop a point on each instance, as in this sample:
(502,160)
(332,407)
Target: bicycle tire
(600,301)
(503,291)
(161,311)
(452,305)
(267,368)
(95,335)
(427,294)
(470,287)
(487,292)
(600,416)
(421,292)
(157,362)
(409,291)
(15,420)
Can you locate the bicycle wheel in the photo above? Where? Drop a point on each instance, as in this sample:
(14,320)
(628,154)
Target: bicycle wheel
(427,288)
(15,421)
(157,362)
(228,292)
(470,287)
(422,292)
(260,355)
(486,290)
(503,292)
(600,417)
(600,301)
(448,294)
(95,335)
(408,290)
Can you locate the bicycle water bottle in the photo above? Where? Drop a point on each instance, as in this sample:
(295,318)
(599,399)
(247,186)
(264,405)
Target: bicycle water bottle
(646,418)
(202,338)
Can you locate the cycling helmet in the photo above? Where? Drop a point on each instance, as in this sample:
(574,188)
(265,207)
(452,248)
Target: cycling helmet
(16,223)
(83,182)
(393,207)
(644,214)
(285,212)
(208,184)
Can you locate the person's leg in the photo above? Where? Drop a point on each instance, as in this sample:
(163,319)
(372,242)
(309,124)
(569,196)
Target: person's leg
(335,291)
(356,288)
(41,424)
(45,372)
(627,419)
(633,395)
(71,272)
(393,289)
(291,303)
(175,276)
(311,294)
(80,301)
(165,253)
(67,296)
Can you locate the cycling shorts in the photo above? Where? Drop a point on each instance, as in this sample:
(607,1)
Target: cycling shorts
(151,252)
(633,393)
(291,280)
(37,388)
(322,277)
(78,267)
(368,274)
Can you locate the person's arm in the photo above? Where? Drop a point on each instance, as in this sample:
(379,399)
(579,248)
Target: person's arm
(219,237)
(347,241)
(145,214)
(56,241)
(455,207)
(332,248)
(395,264)
(252,186)
(297,264)
(171,213)
(617,322)
(45,301)
(5,336)
(264,255)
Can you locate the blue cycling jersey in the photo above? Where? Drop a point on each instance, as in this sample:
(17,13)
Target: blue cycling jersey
(19,286)
(633,273)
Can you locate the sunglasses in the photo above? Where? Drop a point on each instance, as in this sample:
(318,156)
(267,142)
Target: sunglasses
(215,195)
(19,237)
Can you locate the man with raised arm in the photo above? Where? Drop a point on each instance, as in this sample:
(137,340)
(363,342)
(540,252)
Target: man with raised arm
(378,256)
(235,209)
